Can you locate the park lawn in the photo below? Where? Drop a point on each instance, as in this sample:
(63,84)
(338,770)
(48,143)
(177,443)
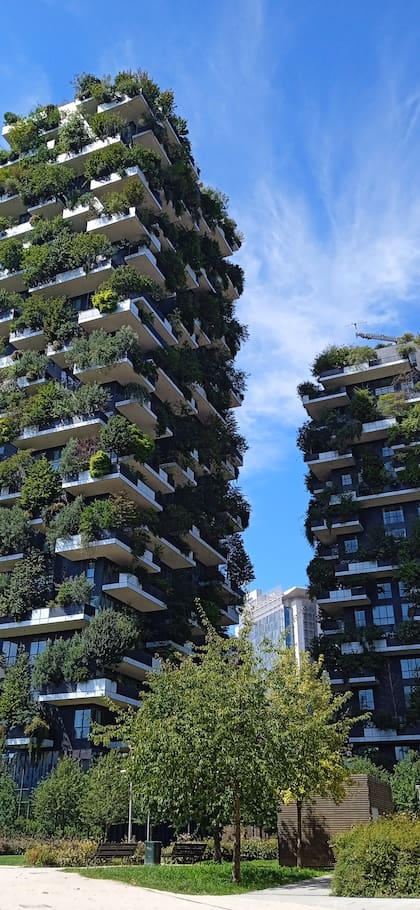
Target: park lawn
(203,878)
(16,860)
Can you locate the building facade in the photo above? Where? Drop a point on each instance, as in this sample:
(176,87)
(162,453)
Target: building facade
(119,448)
(361,448)
(288,617)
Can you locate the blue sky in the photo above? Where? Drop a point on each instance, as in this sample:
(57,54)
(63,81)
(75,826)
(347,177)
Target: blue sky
(306,113)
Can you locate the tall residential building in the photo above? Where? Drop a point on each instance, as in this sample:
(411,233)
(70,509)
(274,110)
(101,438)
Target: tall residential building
(119,448)
(361,446)
(288,617)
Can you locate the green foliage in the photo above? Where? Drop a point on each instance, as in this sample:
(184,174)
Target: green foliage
(392,404)
(31,365)
(75,455)
(9,428)
(8,801)
(105,300)
(363,406)
(240,568)
(378,859)
(26,587)
(57,801)
(9,301)
(405,779)
(83,84)
(172,266)
(360,764)
(63,852)
(16,703)
(108,123)
(100,464)
(109,636)
(408,632)
(73,134)
(11,254)
(374,475)
(102,349)
(100,164)
(120,437)
(76,590)
(321,576)
(126,283)
(408,430)
(23,136)
(66,251)
(15,531)
(334,357)
(43,180)
(66,521)
(41,487)
(13,470)
(131,196)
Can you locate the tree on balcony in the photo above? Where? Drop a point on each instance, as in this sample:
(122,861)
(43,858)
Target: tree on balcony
(26,587)
(41,487)
(17,706)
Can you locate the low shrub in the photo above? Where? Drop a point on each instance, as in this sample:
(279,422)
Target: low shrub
(379,859)
(100,464)
(254,848)
(61,853)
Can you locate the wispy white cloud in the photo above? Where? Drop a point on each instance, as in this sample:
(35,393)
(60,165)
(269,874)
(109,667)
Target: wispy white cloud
(343,249)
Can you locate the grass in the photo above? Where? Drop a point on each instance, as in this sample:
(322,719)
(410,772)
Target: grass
(203,878)
(17,860)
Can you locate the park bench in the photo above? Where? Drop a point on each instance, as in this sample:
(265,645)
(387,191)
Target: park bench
(105,852)
(188,852)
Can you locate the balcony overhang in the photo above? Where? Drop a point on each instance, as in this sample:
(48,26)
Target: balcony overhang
(130,592)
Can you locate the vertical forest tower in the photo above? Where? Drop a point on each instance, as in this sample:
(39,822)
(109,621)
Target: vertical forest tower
(120,520)
(362,448)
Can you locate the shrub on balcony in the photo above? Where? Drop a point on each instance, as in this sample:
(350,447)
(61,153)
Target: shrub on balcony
(334,357)
(9,301)
(110,160)
(127,83)
(15,531)
(410,476)
(32,365)
(89,399)
(172,266)
(120,437)
(308,388)
(13,470)
(16,703)
(127,283)
(363,406)
(120,203)
(108,123)
(9,118)
(66,521)
(83,85)
(100,464)
(26,587)
(23,136)
(76,590)
(60,322)
(43,180)
(11,254)
(374,476)
(109,636)
(105,300)
(75,456)
(42,486)
(73,134)
(42,407)
(321,577)
(9,428)
(67,251)
(409,427)
(408,632)
(239,565)
(33,312)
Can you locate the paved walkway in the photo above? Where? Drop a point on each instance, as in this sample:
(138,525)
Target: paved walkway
(51,889)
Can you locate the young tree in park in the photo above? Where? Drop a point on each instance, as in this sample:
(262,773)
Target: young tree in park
(404,783)
(200,744)
(106,796)
(58,800)
(312,730)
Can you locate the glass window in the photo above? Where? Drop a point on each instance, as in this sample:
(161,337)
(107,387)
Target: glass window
(392,516)
(82,719)
(396,532)
(37,647)
(401,752)
(366,700)
(401,588)
(383,615)
(9,650)
(359,618)
(408,691)
(384,590)
(387,452)
(406,609)
(346,480)
(410,667)
(351,545)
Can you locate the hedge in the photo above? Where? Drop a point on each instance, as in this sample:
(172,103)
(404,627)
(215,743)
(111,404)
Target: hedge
(379,859)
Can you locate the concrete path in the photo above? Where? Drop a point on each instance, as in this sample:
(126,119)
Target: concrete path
(51,889)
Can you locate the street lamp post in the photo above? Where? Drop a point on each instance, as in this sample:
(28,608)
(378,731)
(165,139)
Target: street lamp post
(130,807)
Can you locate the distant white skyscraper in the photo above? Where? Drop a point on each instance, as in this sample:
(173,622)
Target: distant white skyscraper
(288,616)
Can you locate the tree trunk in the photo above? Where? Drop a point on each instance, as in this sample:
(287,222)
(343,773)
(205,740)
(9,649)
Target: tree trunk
(236,869)
(278,845)
(217,844)
(299,833)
